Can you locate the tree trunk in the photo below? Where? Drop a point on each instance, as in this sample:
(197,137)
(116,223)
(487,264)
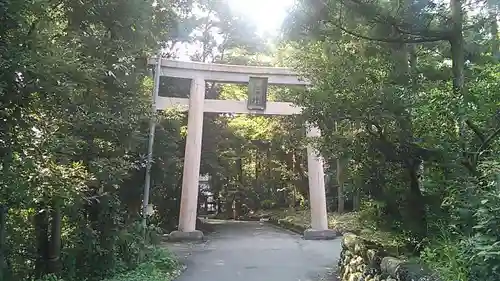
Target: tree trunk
(219,205)
(340,188)
(301,182)
(257,165)
(356,198)
(458,64)
(417,202)
(239,163)
(3,231)
(340,182)
(105,226)
(495,41)
(358,180)
(54,252)
(41,225)
(405,67)
(238,208)
(269,163)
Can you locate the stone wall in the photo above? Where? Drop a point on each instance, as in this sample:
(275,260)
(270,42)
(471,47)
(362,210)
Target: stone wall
(363,260)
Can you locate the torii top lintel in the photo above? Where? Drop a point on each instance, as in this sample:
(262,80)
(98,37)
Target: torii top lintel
(227,73)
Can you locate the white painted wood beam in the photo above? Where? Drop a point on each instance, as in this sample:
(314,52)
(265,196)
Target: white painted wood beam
(229,106)
(226,73)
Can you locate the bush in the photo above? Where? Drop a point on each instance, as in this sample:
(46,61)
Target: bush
(446,256)
(268,204)
(50,278)
(159,266)
(469,248)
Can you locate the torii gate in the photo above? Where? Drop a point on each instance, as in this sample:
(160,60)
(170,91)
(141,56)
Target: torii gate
(196,105)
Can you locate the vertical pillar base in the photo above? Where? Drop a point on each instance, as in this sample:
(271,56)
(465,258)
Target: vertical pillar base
(314,234)
(180,236)
(317,195)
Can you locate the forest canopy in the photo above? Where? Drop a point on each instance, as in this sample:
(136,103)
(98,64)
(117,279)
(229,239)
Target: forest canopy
(406,94)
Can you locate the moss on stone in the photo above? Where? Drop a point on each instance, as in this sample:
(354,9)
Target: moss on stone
(356,276)
(373,258)
(390,265)
(415,271)
(349,241)
(366,260)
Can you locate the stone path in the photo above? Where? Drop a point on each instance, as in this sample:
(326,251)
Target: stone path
(256,251)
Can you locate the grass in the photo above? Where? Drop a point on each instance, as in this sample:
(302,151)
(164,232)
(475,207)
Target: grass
(160,266)
(347,222)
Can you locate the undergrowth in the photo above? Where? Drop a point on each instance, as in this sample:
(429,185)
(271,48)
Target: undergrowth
(348,222)
(446,256)
(159,265)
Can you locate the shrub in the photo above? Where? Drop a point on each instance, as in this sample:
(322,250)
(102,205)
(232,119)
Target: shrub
(446,256)
(160,265)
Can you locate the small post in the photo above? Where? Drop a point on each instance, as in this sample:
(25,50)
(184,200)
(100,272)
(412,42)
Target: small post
(152,127)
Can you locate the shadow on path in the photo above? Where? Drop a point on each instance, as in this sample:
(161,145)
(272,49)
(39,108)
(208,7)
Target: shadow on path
(256,251)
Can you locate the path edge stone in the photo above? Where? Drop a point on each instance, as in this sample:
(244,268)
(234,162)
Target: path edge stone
(180,236)
(284,224)
(314,234)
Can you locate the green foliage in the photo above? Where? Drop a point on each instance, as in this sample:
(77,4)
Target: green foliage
(75,98)
(224,35)
(447,257)
(75,107)
(159,266)
(267,204)
(50,277)
(420,146)
(399,132)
